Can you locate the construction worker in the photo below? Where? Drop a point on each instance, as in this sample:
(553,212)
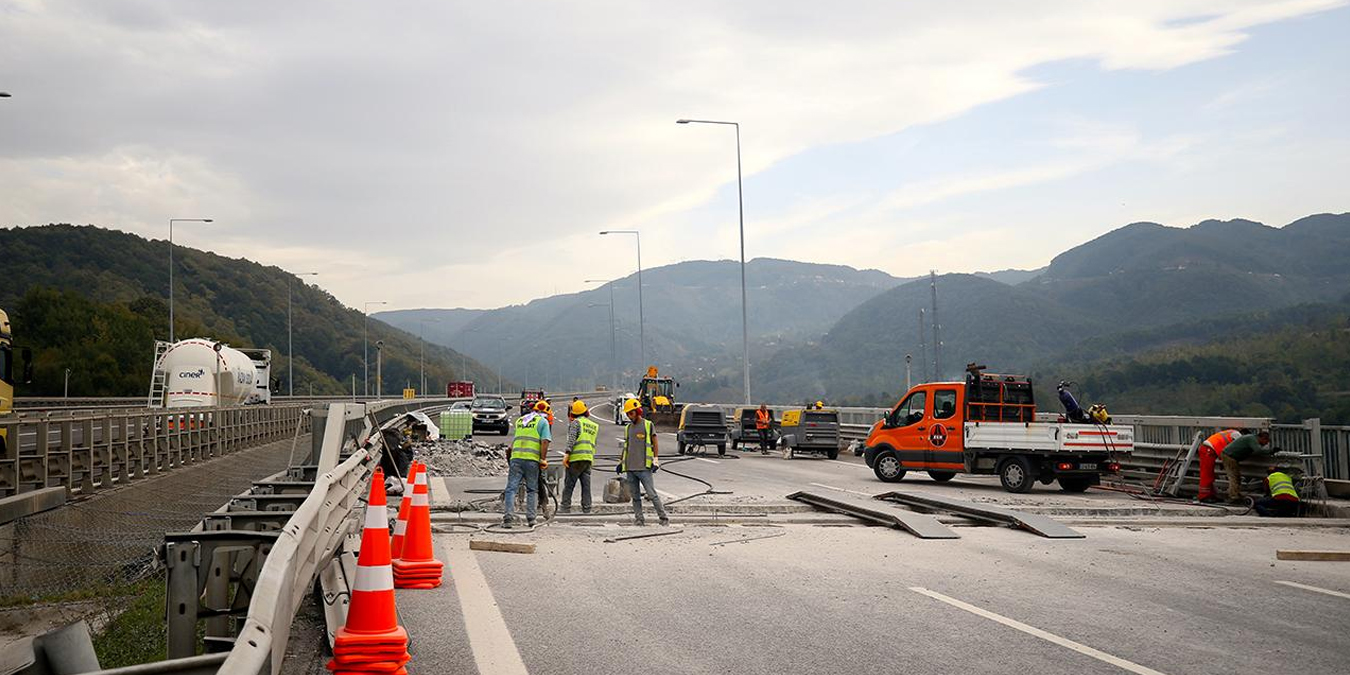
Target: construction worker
(1281,500)
(582,432)
(641,462)
(1210,450)
(764,425)
(529,456)
(1238,450)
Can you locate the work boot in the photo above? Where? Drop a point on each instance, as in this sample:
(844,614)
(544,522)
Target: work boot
(506,522)
(586,510)
(1208,500)
(639,522)
(665,521)
(530,522)
(764,452)
(565,508)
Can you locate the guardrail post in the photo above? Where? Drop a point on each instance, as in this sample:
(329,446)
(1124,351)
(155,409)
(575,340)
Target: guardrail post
(1314,427)
(182,598)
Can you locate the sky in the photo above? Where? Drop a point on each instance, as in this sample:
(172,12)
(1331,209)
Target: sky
(457,154)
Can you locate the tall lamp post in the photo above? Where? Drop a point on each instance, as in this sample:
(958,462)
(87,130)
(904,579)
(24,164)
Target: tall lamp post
(290,346)
(365,345)
(379,380)
(740,201)
(642,323)
(422,350)
(613,350)
(171,222)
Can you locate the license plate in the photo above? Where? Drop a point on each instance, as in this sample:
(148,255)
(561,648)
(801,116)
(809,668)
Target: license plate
(1088,466)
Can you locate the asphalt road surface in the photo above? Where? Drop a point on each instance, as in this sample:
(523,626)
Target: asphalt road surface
(792,598)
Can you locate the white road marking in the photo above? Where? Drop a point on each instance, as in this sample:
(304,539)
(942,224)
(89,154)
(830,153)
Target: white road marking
(494,650)
(710,461)
(665,494)
(1315,589)
(831,487)
(1048,637)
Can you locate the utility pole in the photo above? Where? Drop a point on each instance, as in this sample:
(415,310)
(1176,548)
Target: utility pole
(65,392)
(365,344)
(937,337)
(379,383)
(923,347)
(908,358)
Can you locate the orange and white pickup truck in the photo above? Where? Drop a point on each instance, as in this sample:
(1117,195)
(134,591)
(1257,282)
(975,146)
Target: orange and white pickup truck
(989,425)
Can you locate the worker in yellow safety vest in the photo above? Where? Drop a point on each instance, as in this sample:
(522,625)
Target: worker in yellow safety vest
(1282,500)
(640,460)
(582,433)
(528,457)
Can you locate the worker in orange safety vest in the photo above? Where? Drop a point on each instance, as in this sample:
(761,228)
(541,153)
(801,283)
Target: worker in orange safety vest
(1210,450)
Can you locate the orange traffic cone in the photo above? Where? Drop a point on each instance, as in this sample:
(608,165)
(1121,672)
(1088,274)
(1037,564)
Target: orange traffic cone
(372,641)
(418,566)
(401,525)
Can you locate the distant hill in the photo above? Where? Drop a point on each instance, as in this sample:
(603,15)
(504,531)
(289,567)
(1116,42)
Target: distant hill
(693,321)
(1010,276)
(1139,288)
(124,280)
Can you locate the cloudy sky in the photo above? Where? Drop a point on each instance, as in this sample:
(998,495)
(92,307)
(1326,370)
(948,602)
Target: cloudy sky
(467,153)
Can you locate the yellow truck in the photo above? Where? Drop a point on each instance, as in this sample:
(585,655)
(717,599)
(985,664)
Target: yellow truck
(7,379)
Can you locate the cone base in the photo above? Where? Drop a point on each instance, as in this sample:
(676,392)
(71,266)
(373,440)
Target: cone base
(352,641)
(349,657)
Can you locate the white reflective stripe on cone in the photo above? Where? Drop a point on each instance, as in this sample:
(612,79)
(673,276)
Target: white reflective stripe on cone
(374,578)
(377,518)
(420,499)
(421,478)
(401,527)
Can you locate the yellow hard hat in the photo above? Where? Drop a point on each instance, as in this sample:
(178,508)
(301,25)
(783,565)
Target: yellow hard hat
(542,406)
(578,408)
(820,404)
(630,405)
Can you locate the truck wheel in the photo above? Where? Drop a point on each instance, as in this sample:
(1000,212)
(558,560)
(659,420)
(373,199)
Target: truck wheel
(682,448)
(833,454)
(942,476)
(1075,483)
(888,468)
(1015,475)
(722,450)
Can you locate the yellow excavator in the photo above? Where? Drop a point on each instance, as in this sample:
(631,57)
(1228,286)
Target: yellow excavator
(657,396)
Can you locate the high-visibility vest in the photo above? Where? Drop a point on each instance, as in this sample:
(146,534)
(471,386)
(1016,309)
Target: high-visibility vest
(647,437)
(528,442)
(762,419)
(1219,441)
(1281,486)
(584,449)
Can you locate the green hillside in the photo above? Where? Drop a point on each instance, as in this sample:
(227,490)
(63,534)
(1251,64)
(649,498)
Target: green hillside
(94,300)
(1289,369)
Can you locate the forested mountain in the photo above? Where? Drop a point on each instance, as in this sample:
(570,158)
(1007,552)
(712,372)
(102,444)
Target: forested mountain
(1143,288)
(94,300)
(693,321)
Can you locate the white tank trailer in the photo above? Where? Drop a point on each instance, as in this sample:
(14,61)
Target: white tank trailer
(199,372)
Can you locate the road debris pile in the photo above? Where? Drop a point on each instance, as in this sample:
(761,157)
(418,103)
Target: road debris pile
(463,458)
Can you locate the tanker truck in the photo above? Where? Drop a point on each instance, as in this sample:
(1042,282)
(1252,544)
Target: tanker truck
(200,372)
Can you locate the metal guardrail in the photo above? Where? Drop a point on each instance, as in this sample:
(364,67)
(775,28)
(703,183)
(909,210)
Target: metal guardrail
(101,448)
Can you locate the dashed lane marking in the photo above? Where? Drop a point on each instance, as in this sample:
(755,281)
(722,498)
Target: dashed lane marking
(831,487)
(1044,635)
(494,650)
(710,461)
(1293,584)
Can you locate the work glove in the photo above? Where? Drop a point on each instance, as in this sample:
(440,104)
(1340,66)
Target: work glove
(656,466)
(618,469)
(543,464)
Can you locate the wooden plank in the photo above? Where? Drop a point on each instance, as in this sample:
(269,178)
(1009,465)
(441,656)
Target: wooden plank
(1334,556)
(500,546)
(1042,525)
(918,524)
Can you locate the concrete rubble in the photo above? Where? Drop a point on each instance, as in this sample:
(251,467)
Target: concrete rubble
(463,458)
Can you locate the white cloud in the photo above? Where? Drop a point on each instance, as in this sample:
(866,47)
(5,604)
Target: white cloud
(474,148)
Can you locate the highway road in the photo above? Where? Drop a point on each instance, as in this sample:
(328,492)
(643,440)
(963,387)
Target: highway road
(859,599)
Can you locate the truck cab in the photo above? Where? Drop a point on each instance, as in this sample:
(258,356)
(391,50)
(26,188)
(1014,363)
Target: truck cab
(8,378)
(988,425)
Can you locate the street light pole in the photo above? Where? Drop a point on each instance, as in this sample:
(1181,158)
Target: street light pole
(740,202)
(290,346)
(613,350)
(642,323)
(171,222)
(379,381)
(365,346)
